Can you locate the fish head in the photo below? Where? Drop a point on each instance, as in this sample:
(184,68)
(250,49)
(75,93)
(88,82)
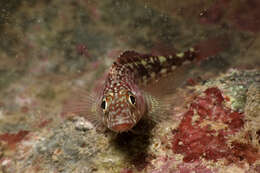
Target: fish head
(122,109)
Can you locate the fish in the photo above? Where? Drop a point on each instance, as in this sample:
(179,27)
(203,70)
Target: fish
(124,99)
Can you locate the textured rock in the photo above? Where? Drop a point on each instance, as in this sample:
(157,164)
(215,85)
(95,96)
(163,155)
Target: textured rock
(49,49)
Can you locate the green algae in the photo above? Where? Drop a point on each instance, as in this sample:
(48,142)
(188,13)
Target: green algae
(8,76)
(48,93)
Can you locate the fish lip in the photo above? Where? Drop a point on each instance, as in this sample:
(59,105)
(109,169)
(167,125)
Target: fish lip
(122,121)
(126,121)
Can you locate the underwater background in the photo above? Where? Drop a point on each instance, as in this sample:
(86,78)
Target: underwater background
(48,49)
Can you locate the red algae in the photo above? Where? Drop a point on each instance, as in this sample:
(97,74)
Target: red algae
(204,129)
(82,50)
(126,170)
(241,150)
(13,139)
(183,168)
(191,82)
(44,123)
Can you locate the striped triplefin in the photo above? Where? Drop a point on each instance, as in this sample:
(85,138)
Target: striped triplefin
(123,100)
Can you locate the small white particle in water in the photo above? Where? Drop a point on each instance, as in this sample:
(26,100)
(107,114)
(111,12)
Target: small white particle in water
(162,59)
(173,67)
(153,75)
(6,162)
(180,55)
(82,124)
(163,71)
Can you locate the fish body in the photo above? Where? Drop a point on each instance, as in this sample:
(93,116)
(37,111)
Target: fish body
(123,101)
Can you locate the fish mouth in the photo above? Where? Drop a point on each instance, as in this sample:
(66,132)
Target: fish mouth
(122,125)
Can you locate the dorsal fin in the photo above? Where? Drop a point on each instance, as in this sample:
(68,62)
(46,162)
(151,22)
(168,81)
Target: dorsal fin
(130,56)
(129,53)
(148,67)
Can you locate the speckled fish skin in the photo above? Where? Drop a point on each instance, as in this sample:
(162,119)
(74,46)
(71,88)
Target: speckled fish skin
(124,98)
(123,102)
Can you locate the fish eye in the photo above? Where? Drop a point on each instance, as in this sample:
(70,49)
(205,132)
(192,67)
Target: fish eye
(103,104)
(132,99)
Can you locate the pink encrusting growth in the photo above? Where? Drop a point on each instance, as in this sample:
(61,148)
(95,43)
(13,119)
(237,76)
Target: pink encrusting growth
(205,129)
(123,101)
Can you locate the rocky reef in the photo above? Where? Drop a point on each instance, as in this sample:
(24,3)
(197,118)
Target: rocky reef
(50,49)
(206,134)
